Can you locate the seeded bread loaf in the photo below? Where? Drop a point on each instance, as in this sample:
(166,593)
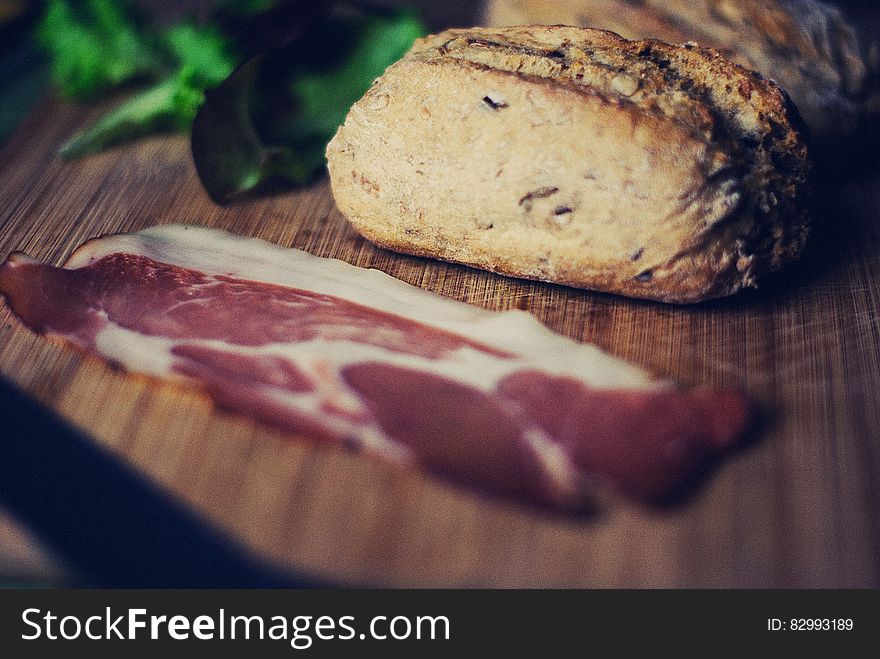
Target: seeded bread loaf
(808,47)
(574,156)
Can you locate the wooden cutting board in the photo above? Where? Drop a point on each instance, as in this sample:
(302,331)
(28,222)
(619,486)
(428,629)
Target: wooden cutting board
(798,507)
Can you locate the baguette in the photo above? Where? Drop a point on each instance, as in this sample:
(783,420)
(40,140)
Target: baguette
(809,47)
(574,156)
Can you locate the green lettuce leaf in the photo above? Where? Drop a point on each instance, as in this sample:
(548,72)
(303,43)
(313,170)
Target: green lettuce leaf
(200,57)
(269,123)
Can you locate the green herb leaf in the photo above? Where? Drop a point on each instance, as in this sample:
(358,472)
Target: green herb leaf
(145,113)
(202,54)
(95,45)
(202,59)
(269,123)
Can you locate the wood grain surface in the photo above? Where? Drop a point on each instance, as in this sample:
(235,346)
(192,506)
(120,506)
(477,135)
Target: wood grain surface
(798,507)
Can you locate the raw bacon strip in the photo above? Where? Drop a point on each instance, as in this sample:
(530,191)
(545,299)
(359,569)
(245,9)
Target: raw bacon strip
(323,348)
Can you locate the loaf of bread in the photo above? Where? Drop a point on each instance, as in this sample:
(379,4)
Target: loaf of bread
(577,157)
(808,47)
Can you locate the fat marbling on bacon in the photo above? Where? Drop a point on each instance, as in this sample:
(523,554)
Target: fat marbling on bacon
(335,352)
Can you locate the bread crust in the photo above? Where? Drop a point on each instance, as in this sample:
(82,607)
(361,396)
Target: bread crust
(831,71)
(577,157)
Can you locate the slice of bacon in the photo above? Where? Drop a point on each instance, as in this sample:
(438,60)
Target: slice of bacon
(332,351)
